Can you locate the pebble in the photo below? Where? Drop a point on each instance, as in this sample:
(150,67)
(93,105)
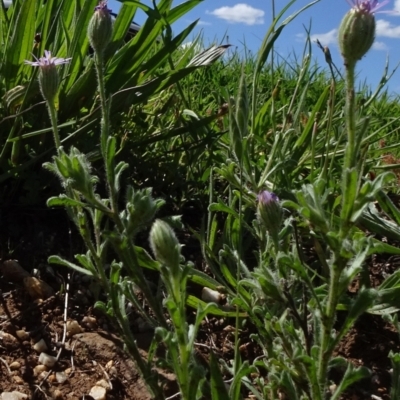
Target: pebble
(211,296)
(57,394)
(103,383)
(61,377)
(39,369)
(13,396)
(23,335)
(15,365)
(40,346)
(89,322)
(98,393)
(38,289)
(47,360)
(73,328)
(18,380)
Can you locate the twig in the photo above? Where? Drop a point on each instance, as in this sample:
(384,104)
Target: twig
(64,332)
(72,357)
(173,396)
(106,375)
(5,363)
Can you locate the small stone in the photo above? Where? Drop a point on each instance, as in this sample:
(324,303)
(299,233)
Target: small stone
(89,322)
(15,365)
(13,396)
(109,365)
(61,377)
(57,394)
(103,383)
(211,296)
(43,375)
(52,378)
(47,360)
(73,328)
(68,371)
(39,369)
(113,371)
(23,335)
(18,380)
(40,346)
(38,289)
(98,393)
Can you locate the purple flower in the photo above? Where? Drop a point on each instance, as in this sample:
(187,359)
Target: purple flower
(47,60)
(266,197)
(102,7)
(270,214)
(48,75)
(367,6)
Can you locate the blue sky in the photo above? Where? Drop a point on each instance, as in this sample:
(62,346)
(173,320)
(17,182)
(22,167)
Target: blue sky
(247,21)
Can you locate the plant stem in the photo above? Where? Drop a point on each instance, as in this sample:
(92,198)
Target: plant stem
(339,261)
(53,118)
(105,116)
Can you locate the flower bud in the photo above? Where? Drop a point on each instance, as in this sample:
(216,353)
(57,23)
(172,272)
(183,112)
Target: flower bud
(49,82)
(100,28)
(165,245)
(270,212)
(357,32)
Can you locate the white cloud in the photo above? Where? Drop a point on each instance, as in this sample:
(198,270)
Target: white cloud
(240,13)
(396,5)
(379,46)
(327,38)
(204,23)
(386,29)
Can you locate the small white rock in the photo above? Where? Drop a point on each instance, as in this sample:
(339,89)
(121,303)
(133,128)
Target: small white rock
(13,396)
(103,383)
(61,377)
(98,393)
(40,346)
(211,296)
(47,360)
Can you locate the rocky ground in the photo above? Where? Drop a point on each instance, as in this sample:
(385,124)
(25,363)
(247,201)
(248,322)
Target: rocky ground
(53,348)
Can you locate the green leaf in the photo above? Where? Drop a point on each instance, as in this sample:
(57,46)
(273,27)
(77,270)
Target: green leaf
(64,201)
(218,388)
(19,46)
(60,261)
(352,375)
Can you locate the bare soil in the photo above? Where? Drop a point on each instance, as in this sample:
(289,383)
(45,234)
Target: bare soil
(94,356)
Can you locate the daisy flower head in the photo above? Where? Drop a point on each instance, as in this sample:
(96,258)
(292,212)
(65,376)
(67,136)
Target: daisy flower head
(48,75)
(367,6)
(47,61)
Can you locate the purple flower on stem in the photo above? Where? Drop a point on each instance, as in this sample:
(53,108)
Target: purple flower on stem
(48,75)
(266,197)
(367,6)
(47,60)
(100,28)
(270,214)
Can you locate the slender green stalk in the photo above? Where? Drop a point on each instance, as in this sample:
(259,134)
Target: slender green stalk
(105,115)
(53,119)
